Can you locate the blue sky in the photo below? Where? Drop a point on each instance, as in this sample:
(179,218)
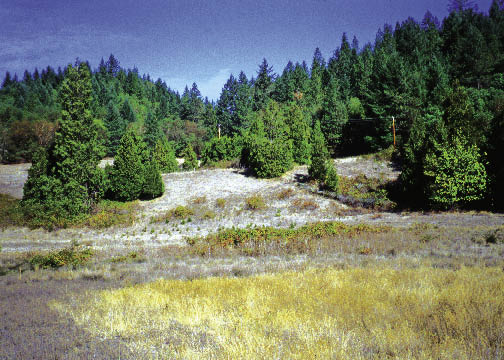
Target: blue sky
(185,41)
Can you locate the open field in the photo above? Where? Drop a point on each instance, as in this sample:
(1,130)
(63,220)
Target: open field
(196,276)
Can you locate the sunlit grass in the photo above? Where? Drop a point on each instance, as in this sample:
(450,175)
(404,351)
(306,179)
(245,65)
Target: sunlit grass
(375,312)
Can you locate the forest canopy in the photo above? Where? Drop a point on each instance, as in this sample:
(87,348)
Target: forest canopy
(441,81)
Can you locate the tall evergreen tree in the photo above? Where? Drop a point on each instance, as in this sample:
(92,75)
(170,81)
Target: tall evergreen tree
(72,181)
(152,130)
(263,85)
(116,127)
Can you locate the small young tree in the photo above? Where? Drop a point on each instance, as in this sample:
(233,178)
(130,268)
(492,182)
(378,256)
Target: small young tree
(164,155)
(190,159)
(268,147)
(127,175)
(319,153)
(153,185)
(299,134)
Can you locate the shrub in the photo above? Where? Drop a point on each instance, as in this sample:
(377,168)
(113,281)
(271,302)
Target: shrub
(255,202)
(285,193)
(220,203)
(180,212)
(73,256)
(305,204)
(331,178)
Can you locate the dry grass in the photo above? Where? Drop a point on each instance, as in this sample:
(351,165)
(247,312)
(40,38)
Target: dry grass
(376,312)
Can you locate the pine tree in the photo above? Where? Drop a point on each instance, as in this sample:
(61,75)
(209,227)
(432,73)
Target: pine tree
(164,155)
(127,175)
(299,134)
(153,185)
(190,159)
(116,127)
(152,130)
(70,180)
(268,148)
(319,154)
(333,115)
(263,85)
(127,112)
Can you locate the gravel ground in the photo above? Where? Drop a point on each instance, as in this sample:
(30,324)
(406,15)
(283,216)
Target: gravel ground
(199,190)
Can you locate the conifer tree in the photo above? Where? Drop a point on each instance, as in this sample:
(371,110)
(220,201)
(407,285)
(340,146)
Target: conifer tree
(263,85)
(164,155)
(190,159)
(69,179)
(127,175)
(268,148)
(152,130)
(299,134)
(319,153)
(116,127)
(153,185)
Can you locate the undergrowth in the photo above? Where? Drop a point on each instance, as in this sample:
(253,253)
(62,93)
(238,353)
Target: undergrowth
(73,256)
(366,192)
(261,240)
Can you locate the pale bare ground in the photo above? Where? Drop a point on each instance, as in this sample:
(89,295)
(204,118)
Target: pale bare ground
(199,191)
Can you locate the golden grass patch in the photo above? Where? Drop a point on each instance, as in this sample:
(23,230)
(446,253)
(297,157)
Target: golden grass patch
(357,313)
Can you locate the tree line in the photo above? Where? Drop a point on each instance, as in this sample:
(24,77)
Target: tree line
(443,81)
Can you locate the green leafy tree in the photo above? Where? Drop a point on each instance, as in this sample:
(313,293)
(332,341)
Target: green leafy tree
(190,158)
(456,174)
(333,115)
(164,156)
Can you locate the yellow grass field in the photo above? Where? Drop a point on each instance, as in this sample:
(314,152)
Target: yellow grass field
(374,312)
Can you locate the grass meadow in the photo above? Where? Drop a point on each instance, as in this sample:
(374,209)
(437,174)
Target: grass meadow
(377,312)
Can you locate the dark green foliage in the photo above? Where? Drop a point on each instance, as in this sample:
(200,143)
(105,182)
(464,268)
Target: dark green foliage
(116,127)
(223,148)
(164,155)
(64,180)
(268,149)
(319,154)
(153,185)
(299,134)
(263,86)
(152,130)
(190,159)
(127,175)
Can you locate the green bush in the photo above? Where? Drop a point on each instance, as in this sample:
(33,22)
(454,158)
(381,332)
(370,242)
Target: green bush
(219,149)
(331,178)
(455,173)
(73,256)
(255,202)
(267,149)
(319,154)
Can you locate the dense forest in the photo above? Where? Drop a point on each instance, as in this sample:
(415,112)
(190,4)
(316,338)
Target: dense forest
(441,82)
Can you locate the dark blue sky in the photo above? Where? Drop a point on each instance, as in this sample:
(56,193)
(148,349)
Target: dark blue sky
(182,41)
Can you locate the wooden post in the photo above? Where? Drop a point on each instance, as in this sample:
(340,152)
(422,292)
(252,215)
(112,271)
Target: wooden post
(393,128)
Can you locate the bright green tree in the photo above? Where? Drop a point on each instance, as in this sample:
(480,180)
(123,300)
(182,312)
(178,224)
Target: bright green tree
(319,154)
(456,174)
(190,159)
(164,155)
(299,134)
(268,147)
